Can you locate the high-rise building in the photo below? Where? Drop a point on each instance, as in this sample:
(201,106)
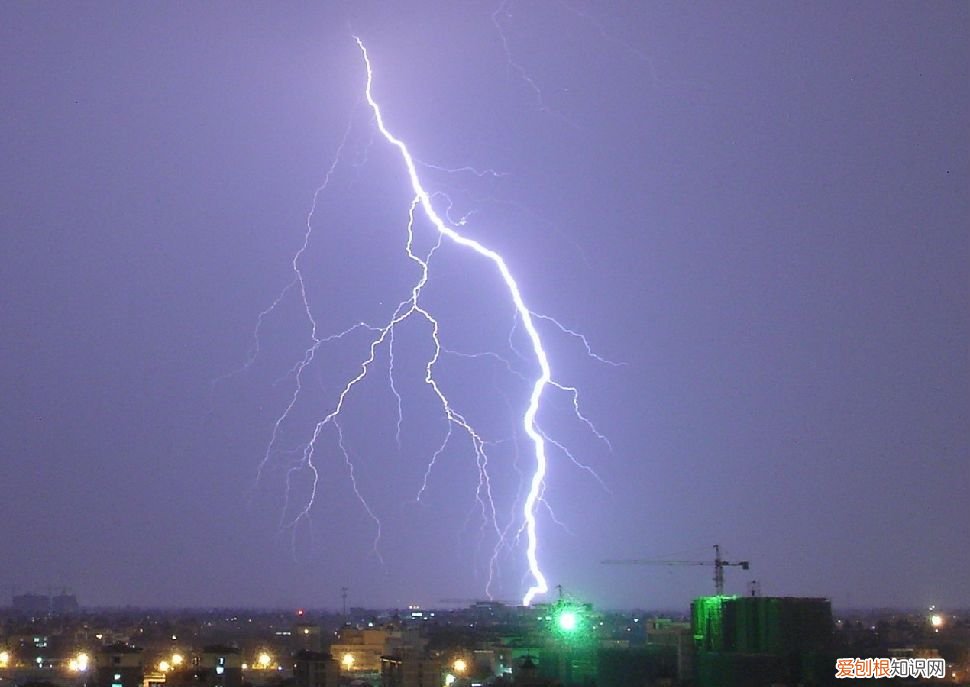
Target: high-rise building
(755,640)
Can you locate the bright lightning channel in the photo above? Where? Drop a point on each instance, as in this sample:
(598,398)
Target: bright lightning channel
(539,584)
(524,317)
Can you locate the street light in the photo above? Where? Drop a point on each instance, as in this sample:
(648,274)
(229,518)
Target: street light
(348,661)
(264,660)
(4,659)
(177,659)
(79,663)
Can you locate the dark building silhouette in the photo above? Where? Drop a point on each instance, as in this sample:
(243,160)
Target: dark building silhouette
(119,665)
(64,604)
(758,641)
(315,669)
(307,636)
(38,605)
(216,666)
(411,670)
(527,675)
(220,666)
(637,666)
(31,605)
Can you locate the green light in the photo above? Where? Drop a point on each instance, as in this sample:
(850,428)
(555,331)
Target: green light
(568,621)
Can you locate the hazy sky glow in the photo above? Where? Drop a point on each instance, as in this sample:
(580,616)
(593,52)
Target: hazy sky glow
(761,210)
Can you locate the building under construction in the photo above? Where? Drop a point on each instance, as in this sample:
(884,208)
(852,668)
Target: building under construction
(754,641)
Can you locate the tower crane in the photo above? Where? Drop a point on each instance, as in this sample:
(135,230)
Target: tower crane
(718,563)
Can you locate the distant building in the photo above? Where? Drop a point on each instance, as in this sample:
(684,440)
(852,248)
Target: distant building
(663,632)
(412,670)
(119,665)
(31,605)
(634,667)
(220,666)
(315,669)
(360,651)
(37,605)
(64,604)
(307,637)
(216,666)
(526,674)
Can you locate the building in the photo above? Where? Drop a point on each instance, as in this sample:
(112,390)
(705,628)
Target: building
(754,640)
(220,666)
(64,604)
(412,670)
(31,605)
(39,605)
(119,665)
(663,632)
(360,651)
(307,637)
(315,669)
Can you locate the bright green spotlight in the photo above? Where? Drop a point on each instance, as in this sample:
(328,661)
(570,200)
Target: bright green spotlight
(568,621)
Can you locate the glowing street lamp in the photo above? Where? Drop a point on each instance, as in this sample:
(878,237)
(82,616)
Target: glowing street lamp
(347,661)
(4,659)
(164,666)
(79,663)
(177,660)
(264,661)
(460,665)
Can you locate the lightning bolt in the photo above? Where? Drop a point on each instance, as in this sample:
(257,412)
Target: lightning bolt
(539,584)
(446,228)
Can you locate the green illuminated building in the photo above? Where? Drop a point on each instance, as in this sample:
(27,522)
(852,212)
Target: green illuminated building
(754,641)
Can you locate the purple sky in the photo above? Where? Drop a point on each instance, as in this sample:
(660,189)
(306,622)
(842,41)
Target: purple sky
(761,209)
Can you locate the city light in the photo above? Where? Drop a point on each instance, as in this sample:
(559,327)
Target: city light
(4,659)
(348,661)
(936,620)
(264,660)
(449,680)
(460,665)
(79,663)
(567,621)
(164,666)
(570,622)
(177,659)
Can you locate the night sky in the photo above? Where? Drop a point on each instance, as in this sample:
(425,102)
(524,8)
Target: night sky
(760,209)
